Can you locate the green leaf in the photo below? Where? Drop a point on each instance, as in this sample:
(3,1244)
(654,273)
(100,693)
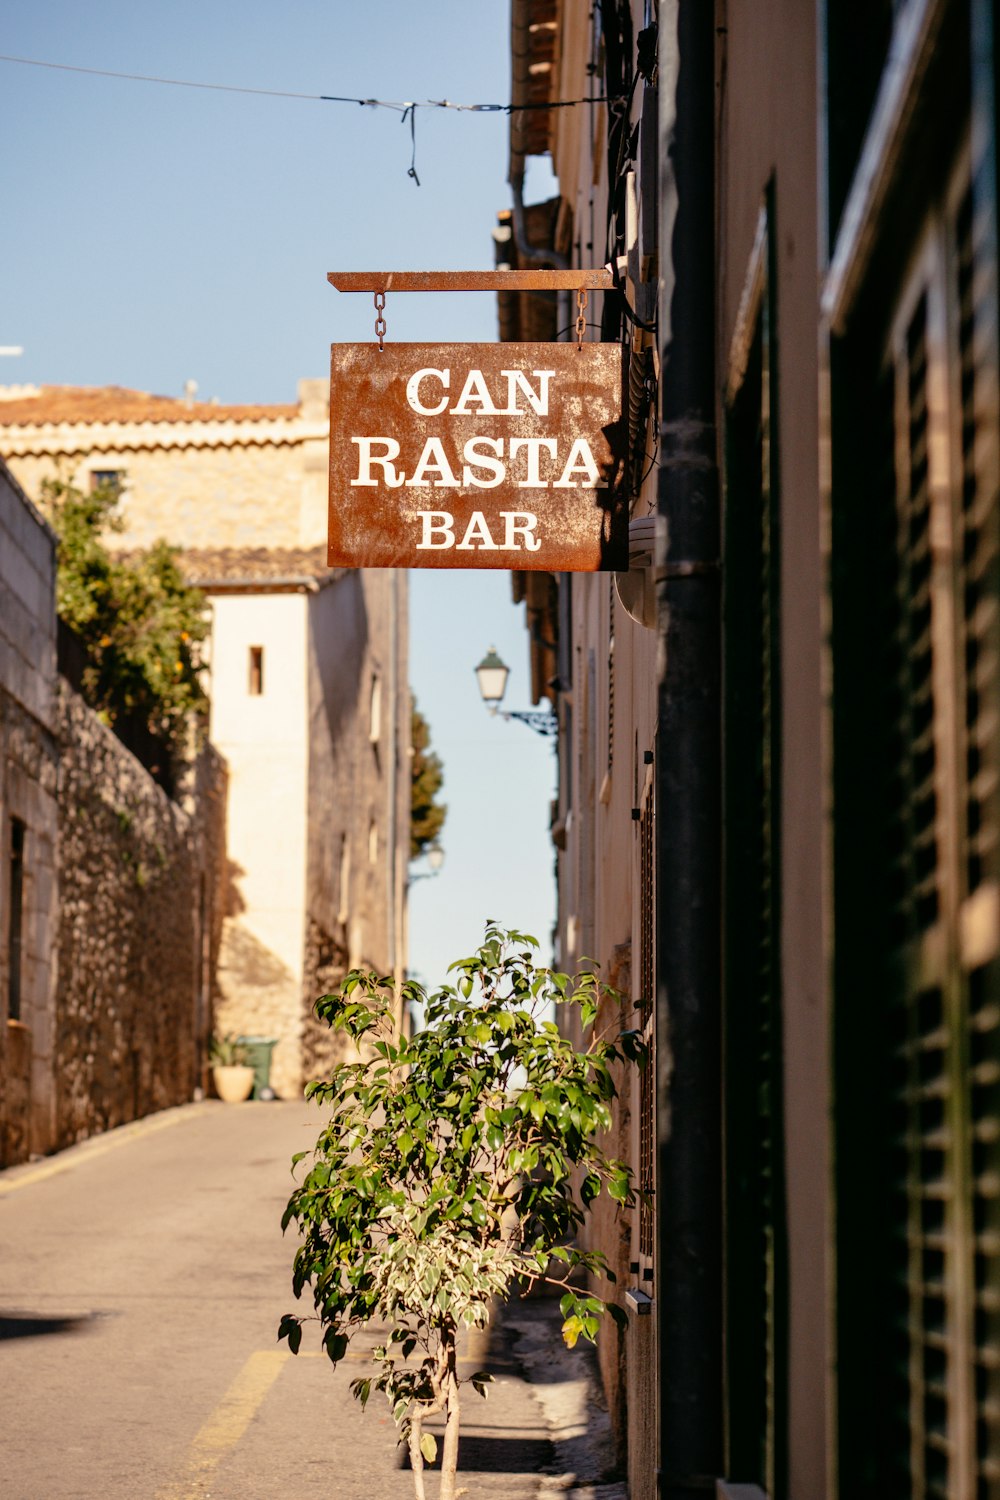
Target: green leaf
(290,1328)
(429,1447)
(335,1345)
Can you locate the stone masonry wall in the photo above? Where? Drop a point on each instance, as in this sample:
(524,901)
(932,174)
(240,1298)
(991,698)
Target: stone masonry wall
(137,934)
(28,775)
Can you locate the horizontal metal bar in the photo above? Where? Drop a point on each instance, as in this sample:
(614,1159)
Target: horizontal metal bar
(472,281)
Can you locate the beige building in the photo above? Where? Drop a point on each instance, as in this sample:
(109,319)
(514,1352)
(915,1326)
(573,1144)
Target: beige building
(779,809)
(307,680)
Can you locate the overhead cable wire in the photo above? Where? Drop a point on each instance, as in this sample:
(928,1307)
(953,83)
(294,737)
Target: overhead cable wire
(401,105)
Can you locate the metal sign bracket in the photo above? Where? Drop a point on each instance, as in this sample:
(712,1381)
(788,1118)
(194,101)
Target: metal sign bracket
(379,282)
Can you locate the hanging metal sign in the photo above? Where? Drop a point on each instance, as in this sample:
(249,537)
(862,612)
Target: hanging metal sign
(477,456)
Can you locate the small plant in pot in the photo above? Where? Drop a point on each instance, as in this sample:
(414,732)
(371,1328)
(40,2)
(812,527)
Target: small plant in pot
(231,1073)
(454,1170)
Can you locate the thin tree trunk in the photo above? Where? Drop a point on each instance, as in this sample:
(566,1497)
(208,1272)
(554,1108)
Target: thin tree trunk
(417,1459)
(449,1454)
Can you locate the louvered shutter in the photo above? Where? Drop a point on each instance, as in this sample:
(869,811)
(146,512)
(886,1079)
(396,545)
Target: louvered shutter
(919,1163)
(755,1209)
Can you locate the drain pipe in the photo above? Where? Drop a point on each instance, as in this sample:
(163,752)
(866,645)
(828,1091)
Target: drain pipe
(688,783)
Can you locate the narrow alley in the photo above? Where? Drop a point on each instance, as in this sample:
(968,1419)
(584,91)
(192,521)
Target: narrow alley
(142,1276)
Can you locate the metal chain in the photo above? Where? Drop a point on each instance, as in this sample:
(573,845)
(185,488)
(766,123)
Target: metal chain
(379,320)
(581,316)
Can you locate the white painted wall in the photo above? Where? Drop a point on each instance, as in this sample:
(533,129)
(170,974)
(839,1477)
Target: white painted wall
(265,742)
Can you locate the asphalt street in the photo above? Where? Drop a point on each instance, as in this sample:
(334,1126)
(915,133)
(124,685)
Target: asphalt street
(142,1277)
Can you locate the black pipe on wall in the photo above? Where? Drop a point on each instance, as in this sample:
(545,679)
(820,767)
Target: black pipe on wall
(688,776)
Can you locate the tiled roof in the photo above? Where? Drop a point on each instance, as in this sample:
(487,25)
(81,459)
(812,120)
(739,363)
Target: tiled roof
(207,565)
(53,405)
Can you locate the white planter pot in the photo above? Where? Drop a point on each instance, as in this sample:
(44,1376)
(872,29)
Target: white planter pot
(233,1084)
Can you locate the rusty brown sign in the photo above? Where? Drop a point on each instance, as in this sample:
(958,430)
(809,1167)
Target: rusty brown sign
(477,456)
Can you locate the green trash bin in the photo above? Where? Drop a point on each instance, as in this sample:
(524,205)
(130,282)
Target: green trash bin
(258,1051)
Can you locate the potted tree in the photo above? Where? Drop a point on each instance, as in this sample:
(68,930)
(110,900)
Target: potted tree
(231,1073)
(454,1169)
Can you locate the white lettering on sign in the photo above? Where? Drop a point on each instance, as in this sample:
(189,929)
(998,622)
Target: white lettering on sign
(580,461)
(366,460)
(539,404)
(475,396)
(433,458)
(413,392)
(481,453)
(533,447)
(475,458)
(437,530)
(474,390)
(519,521)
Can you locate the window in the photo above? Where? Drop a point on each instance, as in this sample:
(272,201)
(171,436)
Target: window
(375,710)
(112,479)
(343,908)
(256,685)
(15,923)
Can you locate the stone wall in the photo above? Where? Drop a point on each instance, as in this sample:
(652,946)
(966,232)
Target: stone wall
(138,931)
(28,775)
(359,789)
(325,967)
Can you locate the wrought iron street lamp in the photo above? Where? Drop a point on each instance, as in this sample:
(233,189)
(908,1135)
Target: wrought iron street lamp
(492,674)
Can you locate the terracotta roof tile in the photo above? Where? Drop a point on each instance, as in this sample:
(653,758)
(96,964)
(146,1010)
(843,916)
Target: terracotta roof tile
(79,405)
(204,565)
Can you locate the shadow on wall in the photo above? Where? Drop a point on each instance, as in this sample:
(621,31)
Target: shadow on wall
(338,647)
(234,903)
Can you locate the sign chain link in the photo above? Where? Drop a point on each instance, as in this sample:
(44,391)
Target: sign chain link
(380,320)
(581,316)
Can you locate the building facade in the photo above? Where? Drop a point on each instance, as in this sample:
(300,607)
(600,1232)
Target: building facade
(29,770)
(307,681)
(778,821)
(109,924)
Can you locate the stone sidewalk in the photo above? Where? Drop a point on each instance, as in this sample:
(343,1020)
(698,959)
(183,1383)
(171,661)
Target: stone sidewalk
(547,1404)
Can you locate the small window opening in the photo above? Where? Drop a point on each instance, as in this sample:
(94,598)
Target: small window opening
(256,671)
(14,932)
(345,878)
(111,479)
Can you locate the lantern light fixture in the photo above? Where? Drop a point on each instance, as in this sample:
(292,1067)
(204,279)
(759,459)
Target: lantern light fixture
(491,675)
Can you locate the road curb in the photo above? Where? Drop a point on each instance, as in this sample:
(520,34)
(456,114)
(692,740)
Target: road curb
(26,1174)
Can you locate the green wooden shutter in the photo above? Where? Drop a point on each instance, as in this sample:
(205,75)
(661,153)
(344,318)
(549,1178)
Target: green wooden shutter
(754,1202)
(917,684)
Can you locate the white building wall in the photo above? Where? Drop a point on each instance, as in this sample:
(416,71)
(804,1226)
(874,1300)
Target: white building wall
(264,738)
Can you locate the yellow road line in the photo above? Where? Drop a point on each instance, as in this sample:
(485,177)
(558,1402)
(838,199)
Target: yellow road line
(228,1422)
(120,1137)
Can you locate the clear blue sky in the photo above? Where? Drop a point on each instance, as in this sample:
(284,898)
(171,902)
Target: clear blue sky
(156,234)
